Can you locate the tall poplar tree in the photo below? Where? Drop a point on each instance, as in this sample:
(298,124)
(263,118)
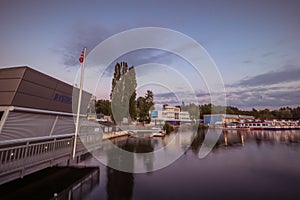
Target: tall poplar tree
(123,94)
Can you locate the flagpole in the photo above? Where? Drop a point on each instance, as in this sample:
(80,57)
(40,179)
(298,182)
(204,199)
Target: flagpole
(79,103)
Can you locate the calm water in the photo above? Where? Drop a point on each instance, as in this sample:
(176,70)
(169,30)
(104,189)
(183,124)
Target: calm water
(243,165)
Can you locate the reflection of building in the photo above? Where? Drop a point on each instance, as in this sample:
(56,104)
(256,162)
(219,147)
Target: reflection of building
(171,114)
(225,118)
(77,183)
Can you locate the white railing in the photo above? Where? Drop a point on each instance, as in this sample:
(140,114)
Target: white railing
(32,152)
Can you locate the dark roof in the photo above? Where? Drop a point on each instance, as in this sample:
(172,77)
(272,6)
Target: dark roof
(26,87)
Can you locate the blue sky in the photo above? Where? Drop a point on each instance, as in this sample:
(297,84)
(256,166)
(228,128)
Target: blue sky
(255,44)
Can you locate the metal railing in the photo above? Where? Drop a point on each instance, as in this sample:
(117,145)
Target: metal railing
(24,156)
(32,152)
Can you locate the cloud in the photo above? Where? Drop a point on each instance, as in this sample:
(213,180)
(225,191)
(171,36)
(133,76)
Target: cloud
(83,35)
(270,53)
(140,57)
(284,75)
(247,61)
(165,95)
(273,99)
(187,97)
(267,96)
(264,96)
(165,98)
(273,89)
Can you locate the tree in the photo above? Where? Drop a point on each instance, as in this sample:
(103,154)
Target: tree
(296,113)
(232,110)
(103,106)
(285,113)
(149,99)
(144,105)
(123,92)
(141,109)
(255,113)
(132,100)
(205,110)
(92,106)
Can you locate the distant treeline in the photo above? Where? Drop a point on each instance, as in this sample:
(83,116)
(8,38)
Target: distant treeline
(104,107)
(281,113)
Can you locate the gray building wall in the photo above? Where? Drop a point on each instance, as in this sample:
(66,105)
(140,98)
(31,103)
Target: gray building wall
(26,87)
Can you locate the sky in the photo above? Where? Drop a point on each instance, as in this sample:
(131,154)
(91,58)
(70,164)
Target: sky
(255,45)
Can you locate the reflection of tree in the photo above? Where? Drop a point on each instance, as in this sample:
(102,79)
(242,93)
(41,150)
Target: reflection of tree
(144,147)
(197,141)
(120,184)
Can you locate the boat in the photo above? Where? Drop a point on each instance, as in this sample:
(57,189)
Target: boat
(273,125)
(160,133)
(140,133)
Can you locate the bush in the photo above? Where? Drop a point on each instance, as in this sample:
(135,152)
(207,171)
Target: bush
(168,128)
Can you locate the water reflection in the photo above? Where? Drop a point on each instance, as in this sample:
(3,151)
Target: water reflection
(257,164)
(237,138)
(53,183)
(80,188)
(193,141)
(143,154)
(119,184)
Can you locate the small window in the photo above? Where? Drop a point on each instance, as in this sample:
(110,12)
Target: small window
(1,114)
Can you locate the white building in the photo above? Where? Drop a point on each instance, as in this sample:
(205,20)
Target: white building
(170,114)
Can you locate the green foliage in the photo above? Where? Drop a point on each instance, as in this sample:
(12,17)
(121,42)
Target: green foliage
(144,105)
(123,92)
(132,84)
(205,110)
(168,128)
(282,113)
(296,113)
(103,107)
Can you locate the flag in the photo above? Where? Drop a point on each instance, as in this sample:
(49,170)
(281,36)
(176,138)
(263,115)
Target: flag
(81,58)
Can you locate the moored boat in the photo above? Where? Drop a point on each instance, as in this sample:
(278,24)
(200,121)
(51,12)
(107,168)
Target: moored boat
(160,133)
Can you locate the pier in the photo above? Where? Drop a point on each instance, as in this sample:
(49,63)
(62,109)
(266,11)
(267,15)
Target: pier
(37,123)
